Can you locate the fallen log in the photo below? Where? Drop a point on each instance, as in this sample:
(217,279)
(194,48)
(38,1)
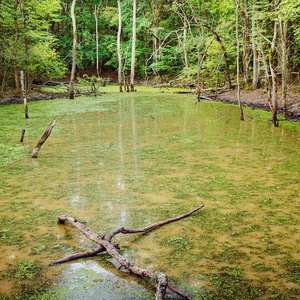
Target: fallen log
(43,139)
(184,92)
(105,244)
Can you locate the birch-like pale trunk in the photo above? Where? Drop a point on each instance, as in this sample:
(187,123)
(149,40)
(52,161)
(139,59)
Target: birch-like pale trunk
(238,61)
(73,51)
(97,40)
(24,94)
(133,46)
(119,46)
(254,50)
(154,38)
(224,53)
(285,73)
(246,42)
(17,81)
(274,100)
(186,61)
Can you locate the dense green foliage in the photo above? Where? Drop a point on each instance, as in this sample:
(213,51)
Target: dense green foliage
(190,40)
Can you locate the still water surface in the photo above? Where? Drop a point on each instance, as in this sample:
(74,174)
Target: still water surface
(135,159)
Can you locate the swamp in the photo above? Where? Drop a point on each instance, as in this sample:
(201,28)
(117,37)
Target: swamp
(134,159)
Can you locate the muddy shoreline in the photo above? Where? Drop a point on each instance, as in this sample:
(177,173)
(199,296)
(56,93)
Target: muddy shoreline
(253,99)
(258,100)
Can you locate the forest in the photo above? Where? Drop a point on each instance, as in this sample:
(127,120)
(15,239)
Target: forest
(195,42)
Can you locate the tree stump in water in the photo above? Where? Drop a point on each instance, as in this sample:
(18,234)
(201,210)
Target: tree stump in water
(22,136)
(106,245)
(43,139)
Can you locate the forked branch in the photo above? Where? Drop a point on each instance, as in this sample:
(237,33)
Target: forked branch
(106,245)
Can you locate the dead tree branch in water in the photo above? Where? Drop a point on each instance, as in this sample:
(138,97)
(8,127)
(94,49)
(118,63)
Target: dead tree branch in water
(217,111)
(43,139)
(106,245)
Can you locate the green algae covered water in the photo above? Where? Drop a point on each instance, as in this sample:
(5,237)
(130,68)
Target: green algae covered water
(134,159)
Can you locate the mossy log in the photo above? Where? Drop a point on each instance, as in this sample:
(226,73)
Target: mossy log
(105,244)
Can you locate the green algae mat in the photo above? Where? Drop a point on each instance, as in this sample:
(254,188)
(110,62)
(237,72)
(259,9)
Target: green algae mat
(134,159)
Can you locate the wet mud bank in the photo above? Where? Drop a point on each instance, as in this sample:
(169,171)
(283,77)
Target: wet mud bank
(35,96)
(258,100)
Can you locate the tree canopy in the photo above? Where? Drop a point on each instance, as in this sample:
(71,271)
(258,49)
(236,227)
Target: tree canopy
(193,40)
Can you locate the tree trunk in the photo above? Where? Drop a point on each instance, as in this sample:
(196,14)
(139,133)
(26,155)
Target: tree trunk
(254,50)
(119,46)
(274,100)
(17,80)
(97,40)
(74,51)
(224,53)
(185,52)
(246,42)
(133,45)
(285,75)
(155,37)
(238,61)
(24,94)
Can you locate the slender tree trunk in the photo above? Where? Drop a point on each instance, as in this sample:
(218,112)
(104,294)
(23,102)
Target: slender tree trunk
(24,94)
(186,62)
(224,52)
(246,42)
(74,50)
(97,40)
(119,46)
(17,80)
(26,73)
(285,75)
(274,99)
(238,62)
(133,46)
(254,50)
(155,15)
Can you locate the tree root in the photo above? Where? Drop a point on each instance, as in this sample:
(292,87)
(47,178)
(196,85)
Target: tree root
(106,245)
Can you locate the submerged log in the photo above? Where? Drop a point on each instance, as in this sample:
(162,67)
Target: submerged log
(105,244)
(43,139)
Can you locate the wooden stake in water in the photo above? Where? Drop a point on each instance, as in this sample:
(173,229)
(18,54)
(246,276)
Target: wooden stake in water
(22,136)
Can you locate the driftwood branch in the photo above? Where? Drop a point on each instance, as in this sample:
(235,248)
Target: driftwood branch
(126,231)
(81,255)
(105,244)
(43,139)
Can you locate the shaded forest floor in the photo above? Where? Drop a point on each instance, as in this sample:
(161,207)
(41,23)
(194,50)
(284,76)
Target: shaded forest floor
(254,99)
